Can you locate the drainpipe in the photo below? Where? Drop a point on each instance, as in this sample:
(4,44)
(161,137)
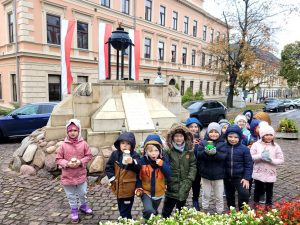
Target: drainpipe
(134,14)
(17,55)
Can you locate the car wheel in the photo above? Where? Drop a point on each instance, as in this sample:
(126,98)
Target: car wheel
(283,110)
(277,110)
(291,107)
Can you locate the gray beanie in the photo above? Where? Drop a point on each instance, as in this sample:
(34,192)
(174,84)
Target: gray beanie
(214,126)
(223,122)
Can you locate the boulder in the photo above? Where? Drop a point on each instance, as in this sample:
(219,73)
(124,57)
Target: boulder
(40,136)
(106,151)
(104,181)
(50,164)
(20,151)
(51,143)
(43,144)
(27,170)
(25,139)
(29,153)
(58,144)
(16,163)
(36,132)
(95,151)
(97,165)
(51,149)
(39,158)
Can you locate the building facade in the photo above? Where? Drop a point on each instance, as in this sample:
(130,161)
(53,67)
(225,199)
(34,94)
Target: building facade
(173,36)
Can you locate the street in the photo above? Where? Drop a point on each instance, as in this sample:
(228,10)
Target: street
(37,201)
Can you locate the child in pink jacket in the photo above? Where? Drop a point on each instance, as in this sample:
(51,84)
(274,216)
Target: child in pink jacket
(266,155)
(73,156)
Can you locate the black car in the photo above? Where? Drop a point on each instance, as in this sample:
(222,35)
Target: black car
(268,100)
(207,111)
(274,106)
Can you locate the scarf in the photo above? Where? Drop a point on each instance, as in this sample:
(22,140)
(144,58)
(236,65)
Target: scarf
(177,147)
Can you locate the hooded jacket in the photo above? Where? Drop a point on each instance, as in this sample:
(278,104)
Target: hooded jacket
(68,150)
(123,177)
(183,165)
(253,125)
(239,162)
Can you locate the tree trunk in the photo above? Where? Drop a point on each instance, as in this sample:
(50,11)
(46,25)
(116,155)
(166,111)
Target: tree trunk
(230,96)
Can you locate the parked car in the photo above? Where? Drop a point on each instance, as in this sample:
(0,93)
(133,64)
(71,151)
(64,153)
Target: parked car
(289,104)
(24,120)
(274,106)
(297,103)
(268,100)
(207,111)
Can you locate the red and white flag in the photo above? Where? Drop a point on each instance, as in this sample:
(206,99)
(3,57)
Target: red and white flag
(67,29)
(105,31)
(134,35)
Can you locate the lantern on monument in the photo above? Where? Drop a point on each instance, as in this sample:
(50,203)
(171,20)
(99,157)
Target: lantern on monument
(120,41)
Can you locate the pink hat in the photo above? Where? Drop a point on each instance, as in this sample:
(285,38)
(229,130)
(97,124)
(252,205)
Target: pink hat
(72,126)
(266,129)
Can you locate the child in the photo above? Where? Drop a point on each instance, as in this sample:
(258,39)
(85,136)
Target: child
(73,156)
(249,117)
(212,167)
(241,121)
(239,167)
(154,172)
(254,129)
(121,170)
(194,126)
(266,155)
(183,168)
(224,125)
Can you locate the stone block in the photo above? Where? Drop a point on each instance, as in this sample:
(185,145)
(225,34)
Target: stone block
(106,125)
(165,123)
(105,93)
(83,99)
(157,93)
(132,88)
(117,90)
(100,139)
(85,121)
(39,158)
(60,119)
(85,109)
(29,153)
(95,93)
(53,133)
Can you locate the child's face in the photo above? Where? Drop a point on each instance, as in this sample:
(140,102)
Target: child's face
(178,138)
(241,123)
(224,128)
(73,133)
(233,139)
(193,128)
(125,145)
(152,152)
(213,135)
(268,138)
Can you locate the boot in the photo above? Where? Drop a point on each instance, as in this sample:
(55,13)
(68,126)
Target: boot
(196,204)
(85,209)
(74,215)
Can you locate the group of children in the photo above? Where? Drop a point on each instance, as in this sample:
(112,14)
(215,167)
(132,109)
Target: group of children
(225,160)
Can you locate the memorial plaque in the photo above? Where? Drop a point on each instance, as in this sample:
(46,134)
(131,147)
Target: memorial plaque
(136,112)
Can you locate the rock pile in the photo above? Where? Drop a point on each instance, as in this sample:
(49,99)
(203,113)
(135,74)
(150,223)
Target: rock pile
(36,156)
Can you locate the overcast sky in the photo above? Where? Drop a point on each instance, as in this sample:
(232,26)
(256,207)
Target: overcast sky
(290,24)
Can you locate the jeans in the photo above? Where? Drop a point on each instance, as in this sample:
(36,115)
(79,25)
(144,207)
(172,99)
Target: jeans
(196,187)
(260,189)
(125,205)
(150,206)
(232,185)
(74,192)
(169,204)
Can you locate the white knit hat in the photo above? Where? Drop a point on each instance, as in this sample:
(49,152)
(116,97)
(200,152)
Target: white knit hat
(266,129)
(240,117)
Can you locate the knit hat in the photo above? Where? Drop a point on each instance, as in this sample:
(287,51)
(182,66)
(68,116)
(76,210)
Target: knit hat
(192,120)
(263,116)
(214,126)
(153,139)
(240,117)
(266,129)
(224,122)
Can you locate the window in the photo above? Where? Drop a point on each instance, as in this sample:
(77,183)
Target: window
(175,20)
(195,23)
(105,3)
(201,86)
(27,110)
(207,88)
(147,81)
(202,59)
(82,35)
(218,36)
(214,88)
(184,50)
(82,79)
(161,50)
(125,6)
(148,10)
(10,27)
(54,87)
(173,52)
(192,86)
(53,29)
(147,48)
(182,88)
(186,25)
(162,15)
(220,88)
(193,57)
(211,35)
(45,109)
(210,61)
(204,33)
(14,87)
(1,87)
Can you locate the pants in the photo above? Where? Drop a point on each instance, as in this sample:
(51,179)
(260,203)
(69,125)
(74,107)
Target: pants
(260,189)
(217,186)
(232,185)
(150,206)
(74,192)
(169,204)
(196,187)
(125,205)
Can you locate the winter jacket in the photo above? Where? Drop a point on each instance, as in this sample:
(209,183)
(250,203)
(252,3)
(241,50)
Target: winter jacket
(68,150)
(262,170)
(152,178)
(239,162)
(182,164)
(123,177)
(254,123)
(212,167)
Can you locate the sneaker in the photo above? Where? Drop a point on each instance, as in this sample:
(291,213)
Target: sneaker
(85,209)
(196,204)
(74,215)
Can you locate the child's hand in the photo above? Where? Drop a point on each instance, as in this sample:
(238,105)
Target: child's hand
(265,155)
(71,164)
(129,160)
(245,183)
(159,162)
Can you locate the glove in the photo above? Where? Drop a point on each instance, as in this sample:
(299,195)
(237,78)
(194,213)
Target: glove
(265,155)
(139,192)
(211,151)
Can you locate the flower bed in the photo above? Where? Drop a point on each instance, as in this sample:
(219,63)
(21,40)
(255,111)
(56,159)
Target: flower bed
(286,213)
